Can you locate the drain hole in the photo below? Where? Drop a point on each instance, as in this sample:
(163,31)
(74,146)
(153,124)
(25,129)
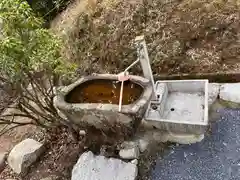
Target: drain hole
(172,109)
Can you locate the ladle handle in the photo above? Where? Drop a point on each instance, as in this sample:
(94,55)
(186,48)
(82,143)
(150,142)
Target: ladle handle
(120,98)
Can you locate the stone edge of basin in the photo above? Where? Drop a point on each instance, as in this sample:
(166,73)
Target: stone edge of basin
(61,104)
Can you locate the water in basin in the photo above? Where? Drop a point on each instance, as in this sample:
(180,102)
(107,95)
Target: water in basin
(104,91)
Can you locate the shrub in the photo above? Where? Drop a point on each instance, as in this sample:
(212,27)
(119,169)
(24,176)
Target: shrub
(48,9)
(30,64)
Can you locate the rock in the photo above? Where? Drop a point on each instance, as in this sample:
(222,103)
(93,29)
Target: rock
(82,132)
(102,168)
(103,150)
(3,157)
(129,144)
(135,161)
(230,92)
(24,154)
(143,144)
(213,92)
(129,153)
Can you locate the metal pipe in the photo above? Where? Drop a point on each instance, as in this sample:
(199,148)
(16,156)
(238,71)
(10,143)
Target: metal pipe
(145,62)
(129,67)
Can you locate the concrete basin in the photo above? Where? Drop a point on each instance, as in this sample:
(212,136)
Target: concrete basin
(181,107)
(93,101)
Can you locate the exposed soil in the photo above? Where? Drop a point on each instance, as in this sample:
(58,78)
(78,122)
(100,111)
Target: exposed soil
(16,135)
(62,153)
(104,91)
(59,158)
(8,140)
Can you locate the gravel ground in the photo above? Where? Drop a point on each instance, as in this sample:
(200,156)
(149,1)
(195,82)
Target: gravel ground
(215,158)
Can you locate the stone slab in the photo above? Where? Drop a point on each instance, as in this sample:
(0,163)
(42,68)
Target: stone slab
(230,92)
(91,167)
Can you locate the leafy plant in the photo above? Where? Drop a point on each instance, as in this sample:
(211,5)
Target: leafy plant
(30,64)
(48,9)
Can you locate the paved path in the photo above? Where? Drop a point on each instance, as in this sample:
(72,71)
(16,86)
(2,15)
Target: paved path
(217,157)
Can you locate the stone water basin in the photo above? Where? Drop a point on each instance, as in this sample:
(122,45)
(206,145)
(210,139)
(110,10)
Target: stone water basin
(93,100)
(181,107)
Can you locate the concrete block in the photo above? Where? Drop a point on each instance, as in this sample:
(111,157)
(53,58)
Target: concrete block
(230,92)
(213,92)
(181,108)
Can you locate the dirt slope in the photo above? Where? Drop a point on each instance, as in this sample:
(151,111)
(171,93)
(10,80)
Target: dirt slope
(183,36)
